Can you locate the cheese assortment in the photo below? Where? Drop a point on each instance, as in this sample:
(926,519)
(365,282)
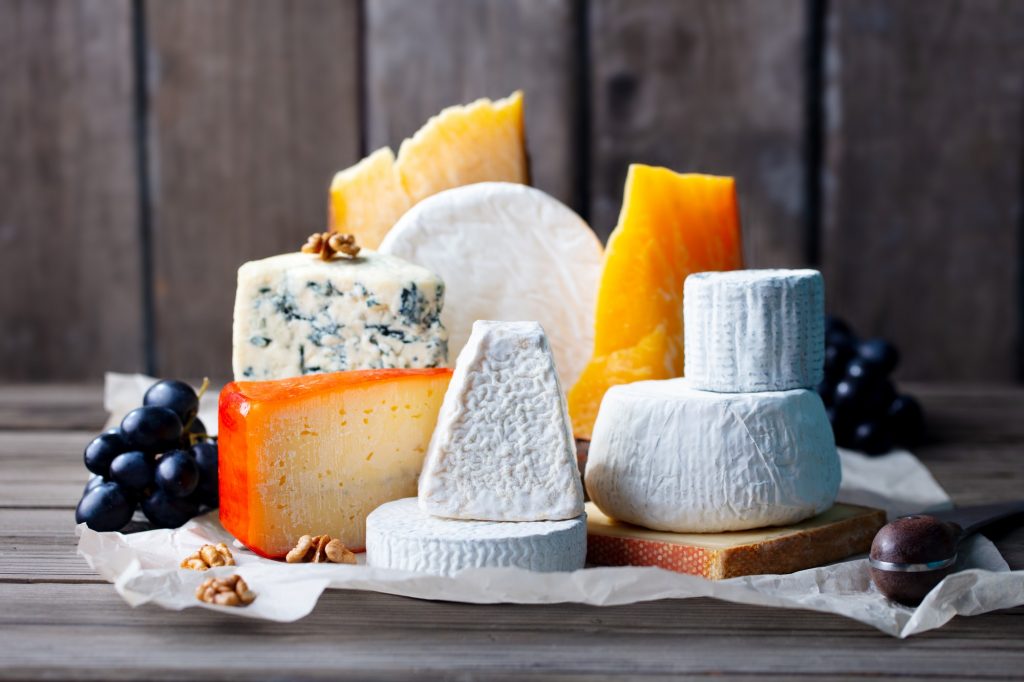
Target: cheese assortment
(671,225)
(297,314)
(755,330)
(503,449)
(344,431)
(317,454)
(669,457)
(507,252)
(500,485)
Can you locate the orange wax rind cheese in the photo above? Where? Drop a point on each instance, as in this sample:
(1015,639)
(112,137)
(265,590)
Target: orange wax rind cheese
(671,225)
(478,142)
(316,454)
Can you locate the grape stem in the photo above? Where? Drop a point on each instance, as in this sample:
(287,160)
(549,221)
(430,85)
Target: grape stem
(194,438)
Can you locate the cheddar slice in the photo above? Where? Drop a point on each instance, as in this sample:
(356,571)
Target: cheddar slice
(316,454)
(671,226)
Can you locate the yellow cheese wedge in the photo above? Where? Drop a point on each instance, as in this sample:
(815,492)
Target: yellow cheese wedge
(671,226)
(479,142)
(315,455)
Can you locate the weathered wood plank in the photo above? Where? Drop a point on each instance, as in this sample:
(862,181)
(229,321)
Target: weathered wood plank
(923,180)
(42,469)
(54,407)
(254,105)
(426,55)
(69,230)
(708,87)
(379,636)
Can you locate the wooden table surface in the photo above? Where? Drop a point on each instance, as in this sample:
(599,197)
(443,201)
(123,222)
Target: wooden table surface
(58,620)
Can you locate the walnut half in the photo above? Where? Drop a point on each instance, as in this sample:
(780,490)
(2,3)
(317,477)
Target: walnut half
(318,549)
(209,556)
(229,591)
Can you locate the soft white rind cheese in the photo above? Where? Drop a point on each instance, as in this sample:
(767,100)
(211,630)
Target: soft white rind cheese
(296,314)
(400,535)
(508,252)
(503,448)
(754,330)
(668,457)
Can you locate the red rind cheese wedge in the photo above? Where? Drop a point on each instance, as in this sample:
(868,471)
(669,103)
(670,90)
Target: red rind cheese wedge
(315,454)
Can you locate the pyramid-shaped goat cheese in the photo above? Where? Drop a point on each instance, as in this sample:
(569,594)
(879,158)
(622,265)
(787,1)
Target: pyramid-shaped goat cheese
(503,448)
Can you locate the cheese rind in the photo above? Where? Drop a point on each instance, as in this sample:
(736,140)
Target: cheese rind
(315,455)
(754,330)
(503,448)
(668,457)
(507,252)
(296,314)
(402,536)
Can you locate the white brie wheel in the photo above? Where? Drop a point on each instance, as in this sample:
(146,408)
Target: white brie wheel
(400,535)
(507,252)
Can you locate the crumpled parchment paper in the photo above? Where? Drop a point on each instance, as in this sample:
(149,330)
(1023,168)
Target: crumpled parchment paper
(144,566)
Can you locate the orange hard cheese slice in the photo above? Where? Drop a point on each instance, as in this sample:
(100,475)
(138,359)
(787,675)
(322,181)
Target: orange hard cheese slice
(671,226)
(479,142)
(316,454)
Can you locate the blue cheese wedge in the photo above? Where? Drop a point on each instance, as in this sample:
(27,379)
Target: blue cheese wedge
(503,448)
(297,314)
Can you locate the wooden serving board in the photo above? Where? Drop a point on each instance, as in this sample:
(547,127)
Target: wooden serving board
(842,531)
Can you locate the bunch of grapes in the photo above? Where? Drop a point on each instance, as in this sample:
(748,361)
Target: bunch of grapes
(159,458)
(866,412)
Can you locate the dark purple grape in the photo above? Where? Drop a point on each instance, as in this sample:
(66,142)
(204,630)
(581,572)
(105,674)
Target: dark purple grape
(151,429)
(872,438)
(196,429)
(205,456)
(165,511)
(94,481)
(105,508)
(860,368)
(834,324)
(880,353)
(878,395)
(176,396)
(132,470)
(906,420)
(101,451)
(177,473)
(850,393)
(836,359)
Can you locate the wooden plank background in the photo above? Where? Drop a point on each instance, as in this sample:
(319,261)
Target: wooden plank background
(147,149)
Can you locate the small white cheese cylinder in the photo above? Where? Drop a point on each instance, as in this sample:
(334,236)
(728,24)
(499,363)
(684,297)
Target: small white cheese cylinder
(400,535)
(754,330)
(668,457)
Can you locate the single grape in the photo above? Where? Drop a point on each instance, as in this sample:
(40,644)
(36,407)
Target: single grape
(177,473)
(205,456)
(842,425)
(906,420)
(878,395)
(101,451)
(94,481)
(105,508)
(861,368)
(176,396)
(152,429)
(165,511)
(834,324)
(132,470)
(872,438)
(197,428)
(850,393)
(880,353)
(837,356)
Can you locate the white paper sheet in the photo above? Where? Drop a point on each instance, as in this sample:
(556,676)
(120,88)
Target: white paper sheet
(144,566)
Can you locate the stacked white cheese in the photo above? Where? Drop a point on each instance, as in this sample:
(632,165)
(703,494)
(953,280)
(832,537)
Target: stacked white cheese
(500,485)
(741,442)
